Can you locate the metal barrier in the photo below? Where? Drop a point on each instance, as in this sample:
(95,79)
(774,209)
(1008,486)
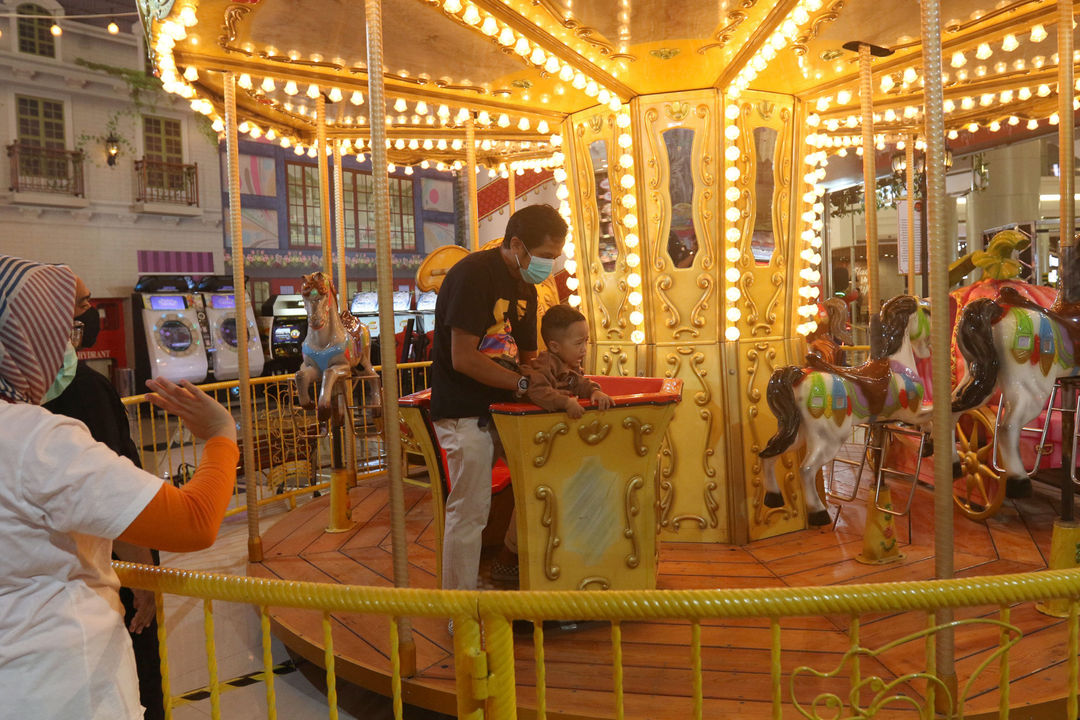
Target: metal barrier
(486,684)
(290,458)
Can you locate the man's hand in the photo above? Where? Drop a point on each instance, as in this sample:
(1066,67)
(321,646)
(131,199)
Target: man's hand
(602,399)
(574,409)
(145,611)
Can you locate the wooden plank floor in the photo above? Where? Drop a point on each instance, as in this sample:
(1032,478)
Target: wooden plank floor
(656,657)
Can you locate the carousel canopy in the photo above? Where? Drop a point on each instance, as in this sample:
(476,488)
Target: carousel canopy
(518,67)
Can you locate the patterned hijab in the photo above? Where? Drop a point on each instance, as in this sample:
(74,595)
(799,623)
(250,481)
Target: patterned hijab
(37,303)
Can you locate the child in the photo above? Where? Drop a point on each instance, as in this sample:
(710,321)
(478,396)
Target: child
(555,378)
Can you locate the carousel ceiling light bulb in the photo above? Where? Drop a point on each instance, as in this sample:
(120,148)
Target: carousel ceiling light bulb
(452,6)
(285,142)
(1013,120)
(542,127)
(537,57)
(910,75)
(890,114)
(267,84)
(1038,61)
(1000,67)
(429,144)
(732,194)
(400,105)
(523,124)
(504,120)
(357,97)
(571,283)
(733,214)
(1032,124)
(628,201)
(973,127)
(1023,93)
(471,15)
(483,118)
(633,280)
(1038,33)
(631,240)
(952,135)
(1006,96)
(441,145)
(843,97)
(986,99)
(1043,90)
(399,144)
(958,59)
(335,95)
(424,164)
(732,294)
(983,51)
(980,71)
(489,27)
(887,83)
(995,126)
(244,81)
(1053,119)
(633,260)
(312,91)
(191,73)
(218,125)
(312,151)
(521,47)
(967,103)
(732,234)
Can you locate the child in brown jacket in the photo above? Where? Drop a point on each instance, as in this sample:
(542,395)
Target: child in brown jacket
(555,377)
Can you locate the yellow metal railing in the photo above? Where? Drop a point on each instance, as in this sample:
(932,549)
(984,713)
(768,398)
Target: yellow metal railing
(486,683)
(290,457)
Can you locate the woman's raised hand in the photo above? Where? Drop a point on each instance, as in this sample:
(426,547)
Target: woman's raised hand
(203,415)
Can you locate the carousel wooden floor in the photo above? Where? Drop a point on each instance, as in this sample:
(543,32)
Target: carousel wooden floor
(655,654)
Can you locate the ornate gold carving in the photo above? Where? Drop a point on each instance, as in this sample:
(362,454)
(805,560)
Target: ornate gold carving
(596,123)
(665,469)
(614,359)
(549,519)
(677,522)
(708,179)
(677,110)
(408,440)
(546,439)
(664,53)
(814,28)
(640,430)
(723,36)
(593,433)
(712,506)
(603,582)
(710,471)
(658,199)
(663,284)
(233,15)
(697,315)
(631,508)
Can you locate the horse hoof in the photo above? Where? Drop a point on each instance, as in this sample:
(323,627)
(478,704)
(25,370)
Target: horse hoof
(774,500)
(957,469)
(819,517)
(1018,487)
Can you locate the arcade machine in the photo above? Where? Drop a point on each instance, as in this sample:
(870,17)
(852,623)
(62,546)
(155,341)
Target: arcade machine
(365,307)
(220,304)
(288,328)
(425,311)
(169,337)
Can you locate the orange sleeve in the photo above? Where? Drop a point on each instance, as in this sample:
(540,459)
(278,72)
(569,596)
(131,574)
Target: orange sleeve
(187,518)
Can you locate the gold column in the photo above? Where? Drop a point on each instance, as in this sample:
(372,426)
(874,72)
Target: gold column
(939,324)
(909,153)
(512,191)
(1065,128)
(339,226)
(324,189)
(470,168)
(247,440)
(869,158)
(381,185)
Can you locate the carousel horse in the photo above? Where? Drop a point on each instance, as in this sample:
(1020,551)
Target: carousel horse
(821,402)
(1012,343)
(833,331)
(335,344)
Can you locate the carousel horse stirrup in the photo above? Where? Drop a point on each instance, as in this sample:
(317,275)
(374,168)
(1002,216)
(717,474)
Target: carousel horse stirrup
(773,500)
(819,518)
(890,432)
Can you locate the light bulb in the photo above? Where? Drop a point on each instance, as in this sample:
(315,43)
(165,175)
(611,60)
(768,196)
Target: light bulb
(637,337)
(983,51)
(56,30)
(244,81)
(1038,33)
(357,97)
(313,91)
(1009,43)
(958,59)
(113,28)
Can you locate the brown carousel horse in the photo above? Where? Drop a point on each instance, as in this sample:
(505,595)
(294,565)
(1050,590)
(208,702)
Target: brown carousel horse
(336,342)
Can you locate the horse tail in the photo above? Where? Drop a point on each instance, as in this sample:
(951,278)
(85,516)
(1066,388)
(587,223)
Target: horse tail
(781,398)
(975,337)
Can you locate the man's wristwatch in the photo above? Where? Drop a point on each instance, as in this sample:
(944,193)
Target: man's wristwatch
(522,385)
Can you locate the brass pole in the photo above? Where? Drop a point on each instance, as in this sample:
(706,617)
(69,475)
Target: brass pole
(470,169)
(909,156)
(1069,291)
(247,439)
(381,186)
(869,161)
(343,295)
(324,189)
(934,204)
(512,190)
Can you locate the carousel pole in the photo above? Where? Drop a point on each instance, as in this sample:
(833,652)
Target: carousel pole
(1065,537)
(941,337)
(512,189)
(879,535)
(343,301)
(381,184)
(470,169)
(909,158)
(247,440)
(324,191)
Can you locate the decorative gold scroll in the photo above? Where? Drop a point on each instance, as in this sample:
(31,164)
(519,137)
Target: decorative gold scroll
(631,508)
(546,439)
(550,520)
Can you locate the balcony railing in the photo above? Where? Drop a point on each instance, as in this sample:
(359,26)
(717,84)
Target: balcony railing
(38,169)
(165,182)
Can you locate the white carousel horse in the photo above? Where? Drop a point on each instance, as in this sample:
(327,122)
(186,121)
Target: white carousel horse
(335,344)
(820,403)
(1014,344)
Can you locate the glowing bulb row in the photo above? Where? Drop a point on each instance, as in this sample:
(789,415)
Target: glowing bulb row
(557,162)
(784,34)
(813,224)
(624,208)
(485,23)
(733,215)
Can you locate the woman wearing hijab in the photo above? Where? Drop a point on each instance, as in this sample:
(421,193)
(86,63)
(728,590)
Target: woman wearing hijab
(64,650)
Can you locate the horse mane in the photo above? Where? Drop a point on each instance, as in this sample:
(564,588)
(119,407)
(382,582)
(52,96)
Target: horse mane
(894,319)
(321,282)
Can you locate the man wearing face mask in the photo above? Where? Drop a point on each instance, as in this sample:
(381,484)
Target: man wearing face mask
(82,393)
(485,325)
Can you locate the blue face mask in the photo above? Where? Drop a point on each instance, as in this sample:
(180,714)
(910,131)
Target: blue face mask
(538,270)
(64,377)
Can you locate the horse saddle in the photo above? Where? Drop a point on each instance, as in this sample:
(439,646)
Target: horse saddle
(1067,315)
(872,378)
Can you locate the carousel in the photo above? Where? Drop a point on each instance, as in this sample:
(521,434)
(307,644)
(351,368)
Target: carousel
(691,149)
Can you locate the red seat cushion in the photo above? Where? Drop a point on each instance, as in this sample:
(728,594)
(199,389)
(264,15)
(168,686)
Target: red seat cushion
(500,474)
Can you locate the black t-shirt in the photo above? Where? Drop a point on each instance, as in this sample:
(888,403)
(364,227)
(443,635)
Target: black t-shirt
(481,297)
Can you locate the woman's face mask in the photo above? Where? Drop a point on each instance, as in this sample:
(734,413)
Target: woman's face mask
(64,377)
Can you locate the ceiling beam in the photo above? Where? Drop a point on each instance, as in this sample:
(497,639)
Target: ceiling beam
(330,78)
(552,45)
(758,37)
(1045,14)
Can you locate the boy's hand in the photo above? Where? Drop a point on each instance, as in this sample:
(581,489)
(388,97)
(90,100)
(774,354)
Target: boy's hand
(574,409)
(602,399)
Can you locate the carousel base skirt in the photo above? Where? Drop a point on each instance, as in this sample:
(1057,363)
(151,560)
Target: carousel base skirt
(656,656)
